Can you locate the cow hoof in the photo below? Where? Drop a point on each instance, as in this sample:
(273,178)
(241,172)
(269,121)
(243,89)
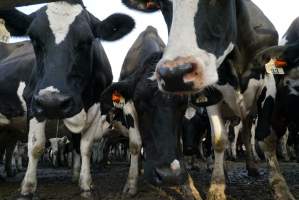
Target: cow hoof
(281,190)
(190,193)
(130,190)
(216,192)
(28,197)
(90,195)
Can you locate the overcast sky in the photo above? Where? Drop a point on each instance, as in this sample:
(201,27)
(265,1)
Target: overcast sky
(280,12)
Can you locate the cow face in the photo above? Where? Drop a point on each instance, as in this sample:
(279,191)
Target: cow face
(202,33)
(72,67)
(158,117)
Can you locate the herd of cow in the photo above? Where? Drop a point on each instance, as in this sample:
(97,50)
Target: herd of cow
(221,73)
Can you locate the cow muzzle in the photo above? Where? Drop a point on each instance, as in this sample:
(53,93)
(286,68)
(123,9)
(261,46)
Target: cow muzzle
(180,75)
(53,105)
(172,175)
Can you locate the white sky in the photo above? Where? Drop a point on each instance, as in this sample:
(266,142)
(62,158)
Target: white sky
(280,12)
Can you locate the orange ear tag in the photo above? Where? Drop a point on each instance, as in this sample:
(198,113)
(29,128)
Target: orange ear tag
(117,99)
(151,5)
(274,66)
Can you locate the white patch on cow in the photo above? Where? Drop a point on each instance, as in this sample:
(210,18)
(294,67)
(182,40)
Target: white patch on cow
(48,90)
(190,113)
(77,123)
(135,146)
(269,83)
(61,15)
(225,53)
(3,120)
(36,144)
(153,77)
(175,165)
(283,41)
(20,92)
(237,130)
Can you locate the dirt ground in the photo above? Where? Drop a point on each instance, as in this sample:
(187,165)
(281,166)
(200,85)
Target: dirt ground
(55,184)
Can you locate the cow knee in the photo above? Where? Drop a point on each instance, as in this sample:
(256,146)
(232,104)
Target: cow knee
(135,148)
(38,150)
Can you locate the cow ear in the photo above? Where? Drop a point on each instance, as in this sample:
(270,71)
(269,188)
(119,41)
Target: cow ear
(114,27)
(142,5)
(267,54)
(17,23)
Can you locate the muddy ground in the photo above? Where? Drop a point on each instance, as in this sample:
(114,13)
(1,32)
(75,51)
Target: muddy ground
(55,184)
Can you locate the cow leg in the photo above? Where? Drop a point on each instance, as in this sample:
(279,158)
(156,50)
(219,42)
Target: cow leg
(9,158)
(36,147)
(252,141)
(189,190)
(134,146)
(219,141)
(251,165)
(76,163)
(235,142)
(277,181)
(76,159)
(283,146)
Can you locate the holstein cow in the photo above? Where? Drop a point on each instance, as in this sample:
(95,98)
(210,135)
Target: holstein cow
(70,71)
(286,60)
(211,43)
(136,103)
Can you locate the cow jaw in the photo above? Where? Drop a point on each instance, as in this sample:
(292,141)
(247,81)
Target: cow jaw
(77,123)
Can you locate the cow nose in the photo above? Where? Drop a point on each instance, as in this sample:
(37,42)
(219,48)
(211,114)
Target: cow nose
(54,101)
(53,104)
(169,175)
(172,79)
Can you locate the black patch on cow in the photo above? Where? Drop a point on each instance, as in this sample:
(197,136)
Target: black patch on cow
(76,138)
(215,25)
(129,121)
(226,75)
(263,128)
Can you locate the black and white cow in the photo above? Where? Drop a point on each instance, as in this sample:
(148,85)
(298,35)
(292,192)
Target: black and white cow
(286,113)
(70,71)
(155,115)
(213,43)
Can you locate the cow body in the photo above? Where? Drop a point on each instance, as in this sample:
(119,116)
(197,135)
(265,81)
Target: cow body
(71,69)
(213,43)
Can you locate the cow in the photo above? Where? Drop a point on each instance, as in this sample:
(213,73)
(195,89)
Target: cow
(214,44)
(70,70)
(156,115)
(285,115)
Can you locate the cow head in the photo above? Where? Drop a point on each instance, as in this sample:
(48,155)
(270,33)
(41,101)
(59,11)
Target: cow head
(71,66)
(201,34)
(159,115)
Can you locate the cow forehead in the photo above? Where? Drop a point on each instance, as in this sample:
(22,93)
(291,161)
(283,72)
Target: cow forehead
(61,16)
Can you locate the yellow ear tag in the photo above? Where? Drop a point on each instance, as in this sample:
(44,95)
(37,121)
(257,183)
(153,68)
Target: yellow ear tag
(275,66)
(118,100)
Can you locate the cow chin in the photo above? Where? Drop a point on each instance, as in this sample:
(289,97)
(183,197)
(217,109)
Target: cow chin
(76,123)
